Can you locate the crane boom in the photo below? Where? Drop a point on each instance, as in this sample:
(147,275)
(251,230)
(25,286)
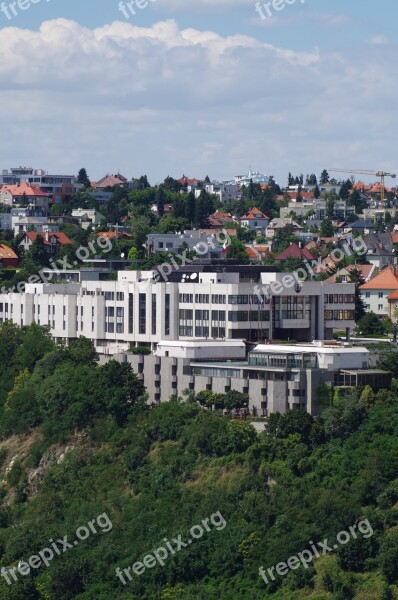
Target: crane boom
(381,174)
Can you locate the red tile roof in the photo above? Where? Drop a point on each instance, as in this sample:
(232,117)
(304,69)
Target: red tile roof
(62,239)
(253,214)
(113,235)
(304,195)
(385,280)
(110,181)
(186,181)
(24,189)
(250,252)
(294,251)
(6,252)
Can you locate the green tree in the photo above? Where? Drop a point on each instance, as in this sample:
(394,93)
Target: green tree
(326,229)
(370,324)
(37,253)
(357,278)
(237,251)
(133,253)
(160,200)
(82,178)
(324,178)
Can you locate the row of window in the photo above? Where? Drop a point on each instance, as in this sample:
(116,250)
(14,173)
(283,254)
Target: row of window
(339,298)
(202,331)
(339,315)
(222,299)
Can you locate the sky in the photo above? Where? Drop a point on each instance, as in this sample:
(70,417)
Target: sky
(198,87)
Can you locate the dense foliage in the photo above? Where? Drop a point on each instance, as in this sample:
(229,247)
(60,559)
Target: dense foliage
(158,472)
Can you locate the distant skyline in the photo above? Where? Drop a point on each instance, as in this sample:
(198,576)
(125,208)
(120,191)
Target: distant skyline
(205,87)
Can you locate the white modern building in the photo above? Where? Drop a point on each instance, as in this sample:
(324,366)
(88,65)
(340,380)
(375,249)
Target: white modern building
(226,191)
(198,301)
(254,176)
(276,377)
(209,325)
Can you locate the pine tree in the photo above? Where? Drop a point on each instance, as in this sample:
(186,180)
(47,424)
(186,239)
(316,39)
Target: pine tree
(324,178)
(160,200)
(82,178)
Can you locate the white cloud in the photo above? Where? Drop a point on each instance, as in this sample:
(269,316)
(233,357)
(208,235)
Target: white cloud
(378,40)
(164,100)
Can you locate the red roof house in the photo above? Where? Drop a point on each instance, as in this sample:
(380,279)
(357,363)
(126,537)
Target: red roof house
(294,251)
(8,258)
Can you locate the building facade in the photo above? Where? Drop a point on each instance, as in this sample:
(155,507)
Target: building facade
(198,301)
(276,377)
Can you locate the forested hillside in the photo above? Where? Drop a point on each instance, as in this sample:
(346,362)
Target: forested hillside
(78,442)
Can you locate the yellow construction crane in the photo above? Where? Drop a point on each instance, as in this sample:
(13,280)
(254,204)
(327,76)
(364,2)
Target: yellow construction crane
(381,174)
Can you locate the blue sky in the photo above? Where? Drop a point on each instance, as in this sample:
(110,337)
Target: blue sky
(199,86)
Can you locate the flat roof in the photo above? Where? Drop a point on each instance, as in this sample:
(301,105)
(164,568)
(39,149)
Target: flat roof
(308,348)
(200,343)
(367,371)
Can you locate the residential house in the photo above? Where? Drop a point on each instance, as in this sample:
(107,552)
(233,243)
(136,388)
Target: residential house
(52,240)
(25,194)
(258,253)
(88,217)
(110,181)
(294,251)
(277,224)
(8,258)
(381,258)
(343,275)
(255,220)
(375,292)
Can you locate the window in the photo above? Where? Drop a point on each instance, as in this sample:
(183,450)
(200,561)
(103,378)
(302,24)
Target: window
(238,299)
(120,312)
(238,315)
(167,315)
(379,307)
(109,295)
(202,298)
(381,294)
(120,296)
(142,313)
(367,294)
(153,314)
(187,298)
(218,299)
(131,313)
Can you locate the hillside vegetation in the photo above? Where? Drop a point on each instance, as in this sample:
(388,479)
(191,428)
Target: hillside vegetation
(78,442)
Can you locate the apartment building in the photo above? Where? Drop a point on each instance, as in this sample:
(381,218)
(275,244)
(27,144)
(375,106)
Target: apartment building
(276,377)
(203,300)
(59,187)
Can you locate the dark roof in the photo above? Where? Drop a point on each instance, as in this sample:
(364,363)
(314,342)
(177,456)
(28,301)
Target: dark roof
(361,224)
(294,251)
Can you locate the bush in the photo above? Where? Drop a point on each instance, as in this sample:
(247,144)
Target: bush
(140,350)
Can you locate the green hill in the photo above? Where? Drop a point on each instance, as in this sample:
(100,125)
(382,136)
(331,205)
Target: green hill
(82,456)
